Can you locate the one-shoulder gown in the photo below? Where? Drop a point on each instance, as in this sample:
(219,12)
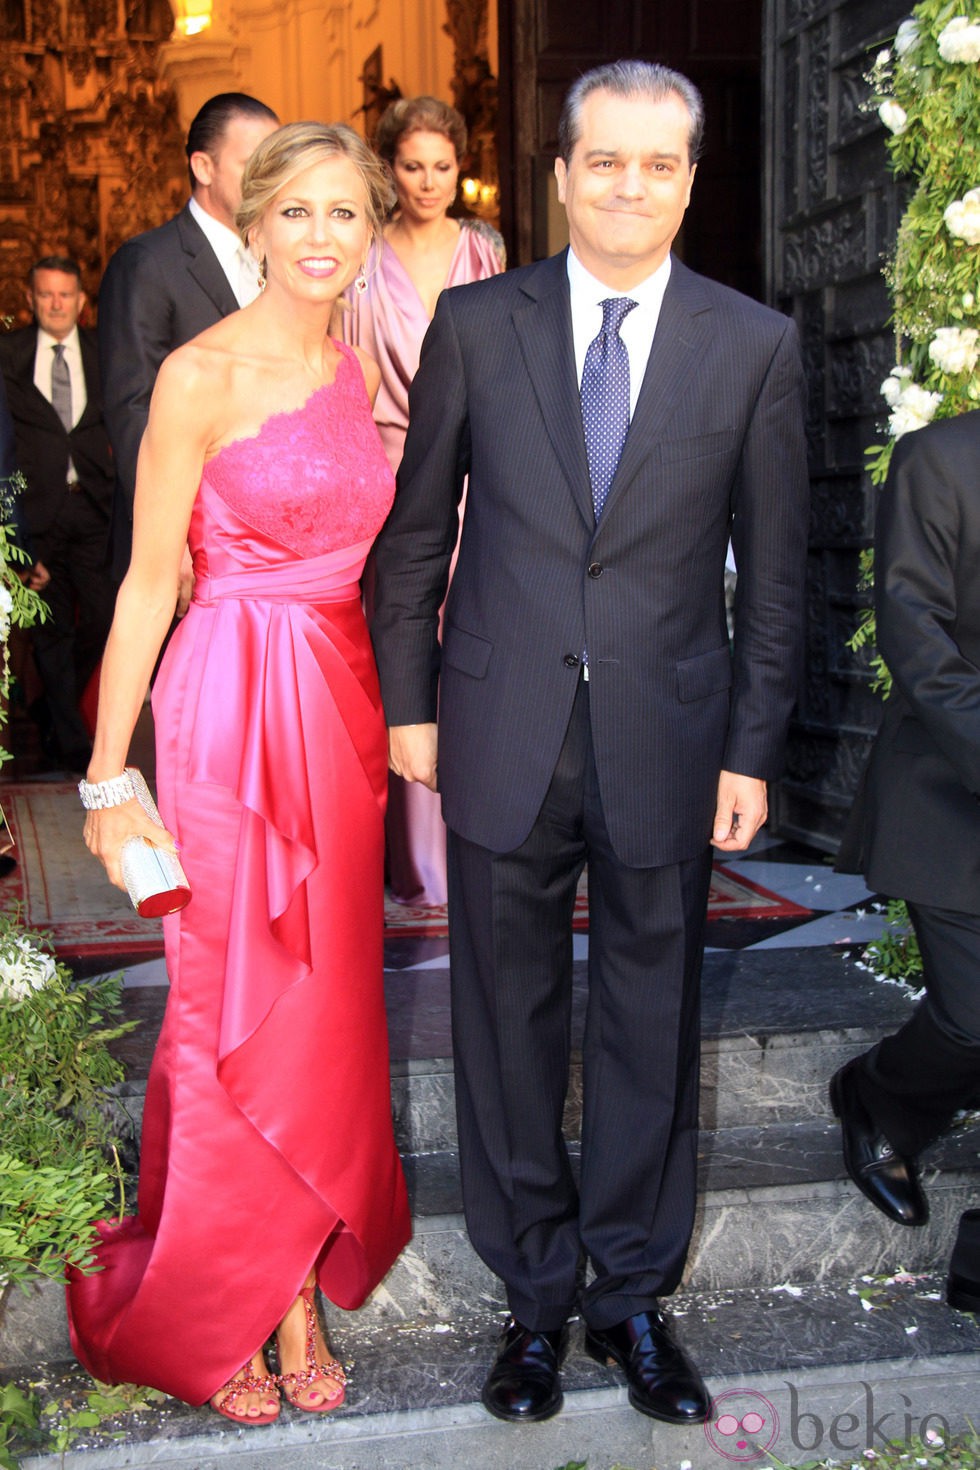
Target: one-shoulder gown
(267,1137)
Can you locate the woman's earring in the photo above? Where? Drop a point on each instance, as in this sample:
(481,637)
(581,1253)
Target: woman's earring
(262,278)
(360,283)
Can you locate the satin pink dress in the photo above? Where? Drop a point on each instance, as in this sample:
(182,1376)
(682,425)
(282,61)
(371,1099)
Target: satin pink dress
(267,1138)
(389,321)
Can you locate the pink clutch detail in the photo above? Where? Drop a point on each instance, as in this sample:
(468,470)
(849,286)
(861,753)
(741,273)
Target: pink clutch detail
(155,881)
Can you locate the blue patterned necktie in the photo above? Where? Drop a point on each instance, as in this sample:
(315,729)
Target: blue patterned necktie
(61,387)
(606,398)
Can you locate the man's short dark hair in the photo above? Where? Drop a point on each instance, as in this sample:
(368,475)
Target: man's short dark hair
(63,263)
(649,80)
(211,123)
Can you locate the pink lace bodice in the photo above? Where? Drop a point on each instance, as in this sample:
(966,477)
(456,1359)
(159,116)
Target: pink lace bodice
(313,480)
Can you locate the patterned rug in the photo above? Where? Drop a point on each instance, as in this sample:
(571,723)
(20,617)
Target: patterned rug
(731,897)
(62,890)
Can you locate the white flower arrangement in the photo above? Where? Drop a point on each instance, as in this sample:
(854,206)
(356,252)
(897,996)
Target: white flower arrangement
(955,349)
(907,37)
(912,406)
(893,115)
(959,40)
(23,969)
(962,217)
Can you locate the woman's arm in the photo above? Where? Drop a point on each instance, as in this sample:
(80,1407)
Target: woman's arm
(180,430)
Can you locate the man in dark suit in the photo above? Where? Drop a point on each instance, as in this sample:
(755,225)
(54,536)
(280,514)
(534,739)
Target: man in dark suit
(590,709)
(161,288)
(51,372)
(915,831)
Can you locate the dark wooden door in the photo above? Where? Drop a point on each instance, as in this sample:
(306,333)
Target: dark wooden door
(832,215)
(546,44)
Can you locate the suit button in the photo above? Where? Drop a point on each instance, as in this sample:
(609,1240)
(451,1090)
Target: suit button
(571,660)
(595,569)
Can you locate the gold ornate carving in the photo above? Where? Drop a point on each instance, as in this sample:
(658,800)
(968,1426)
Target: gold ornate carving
(474,90)
(91,151)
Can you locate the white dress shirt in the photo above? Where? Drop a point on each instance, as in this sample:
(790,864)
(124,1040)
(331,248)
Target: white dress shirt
(638,329)
(238,264)
(43,360)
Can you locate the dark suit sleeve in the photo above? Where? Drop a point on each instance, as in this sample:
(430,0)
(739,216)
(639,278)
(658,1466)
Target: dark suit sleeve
(13,511)
(135,335)
(770,507)
(931,489)
(8,451)
(414,550)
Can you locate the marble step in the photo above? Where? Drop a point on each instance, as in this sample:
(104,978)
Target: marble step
(774,1206)
(829,1369)
(775,1026)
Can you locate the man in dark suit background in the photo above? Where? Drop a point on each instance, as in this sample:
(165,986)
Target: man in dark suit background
(51,372)
(915,830)
(162,288)
(590,709)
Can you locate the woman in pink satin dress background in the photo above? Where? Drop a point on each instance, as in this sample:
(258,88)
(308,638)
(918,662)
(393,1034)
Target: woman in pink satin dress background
(423,252)
(268,1160)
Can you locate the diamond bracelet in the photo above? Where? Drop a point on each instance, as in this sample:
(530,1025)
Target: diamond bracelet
(97,795)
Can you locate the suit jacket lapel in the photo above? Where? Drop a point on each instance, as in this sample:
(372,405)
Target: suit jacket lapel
(544,329)
(682,336)
(35,404)
(90,367)
(203,264)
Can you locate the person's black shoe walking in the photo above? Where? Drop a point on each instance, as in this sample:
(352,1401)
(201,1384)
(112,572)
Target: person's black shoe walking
(883,1176)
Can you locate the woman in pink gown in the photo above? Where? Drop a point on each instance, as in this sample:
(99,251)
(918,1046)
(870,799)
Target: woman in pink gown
(268,1156)
(423,252)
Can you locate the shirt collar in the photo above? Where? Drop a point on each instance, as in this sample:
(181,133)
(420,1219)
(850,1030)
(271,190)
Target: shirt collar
(70,343)
(587,290)
(224,241)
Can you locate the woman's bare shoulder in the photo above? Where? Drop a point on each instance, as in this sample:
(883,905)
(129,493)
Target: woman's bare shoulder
(370,370)
(202,362)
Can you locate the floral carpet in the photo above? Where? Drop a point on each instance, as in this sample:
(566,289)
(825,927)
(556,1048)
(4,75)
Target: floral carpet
(62,890)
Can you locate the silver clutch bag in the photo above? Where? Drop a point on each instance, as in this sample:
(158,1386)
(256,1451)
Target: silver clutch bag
(155,881)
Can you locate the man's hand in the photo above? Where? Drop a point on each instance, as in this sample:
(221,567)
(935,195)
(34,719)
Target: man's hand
(37,578)
(412,752)
(185,582)
(740,812)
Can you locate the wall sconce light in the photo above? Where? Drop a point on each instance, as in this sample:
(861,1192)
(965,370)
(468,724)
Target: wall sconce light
(192,17)
(479,196)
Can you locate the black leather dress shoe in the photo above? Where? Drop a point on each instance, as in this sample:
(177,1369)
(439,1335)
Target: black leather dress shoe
(524,1384)
(883,1176)
(663,1382)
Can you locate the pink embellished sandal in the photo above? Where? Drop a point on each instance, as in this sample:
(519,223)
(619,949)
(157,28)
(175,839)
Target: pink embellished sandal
(294,1384)
(246,1380)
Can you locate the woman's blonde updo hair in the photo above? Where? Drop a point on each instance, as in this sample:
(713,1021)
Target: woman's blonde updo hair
(291,150)
(418,115)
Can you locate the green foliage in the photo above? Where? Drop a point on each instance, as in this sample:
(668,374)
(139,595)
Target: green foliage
(19,1416)
(19,606)
(26,1425)
(896,955)
(100,1405)
(934,273)
(56,1070)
